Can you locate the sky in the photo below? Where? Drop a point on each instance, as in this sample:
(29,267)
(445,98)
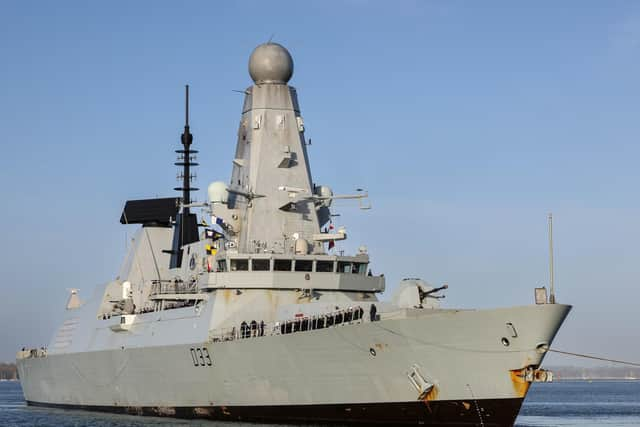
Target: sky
(467,122)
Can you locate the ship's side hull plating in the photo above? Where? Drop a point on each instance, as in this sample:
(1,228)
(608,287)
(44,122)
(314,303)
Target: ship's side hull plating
(351,373)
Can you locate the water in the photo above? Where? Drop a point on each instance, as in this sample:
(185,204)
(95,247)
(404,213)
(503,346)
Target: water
(579,403)
(582,403)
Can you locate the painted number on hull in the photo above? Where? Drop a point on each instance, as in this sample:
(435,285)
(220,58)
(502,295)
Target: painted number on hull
(200,356)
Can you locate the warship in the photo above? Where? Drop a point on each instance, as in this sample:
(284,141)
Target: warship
(248,311)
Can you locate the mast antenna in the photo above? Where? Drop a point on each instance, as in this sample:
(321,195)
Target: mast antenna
(186,226)
(186,158)
(552,296)
(186,107)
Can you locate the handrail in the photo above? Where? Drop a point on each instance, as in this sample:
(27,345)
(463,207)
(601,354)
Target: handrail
(256,329)
(159,288)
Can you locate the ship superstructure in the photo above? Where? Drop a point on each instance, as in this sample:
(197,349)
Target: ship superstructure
(247,313)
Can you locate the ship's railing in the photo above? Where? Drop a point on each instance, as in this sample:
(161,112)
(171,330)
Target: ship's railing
(255,329)
(162,287)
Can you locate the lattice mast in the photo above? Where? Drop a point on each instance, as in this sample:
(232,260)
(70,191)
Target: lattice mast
(186,159)
(186,227)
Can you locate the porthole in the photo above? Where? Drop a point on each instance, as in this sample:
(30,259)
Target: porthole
(505,341)
(372,351)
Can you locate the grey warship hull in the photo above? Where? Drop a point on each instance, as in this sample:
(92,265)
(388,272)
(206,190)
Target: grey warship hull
(353,373)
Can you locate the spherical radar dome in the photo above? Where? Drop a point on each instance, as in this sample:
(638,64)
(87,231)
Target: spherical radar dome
(270,63)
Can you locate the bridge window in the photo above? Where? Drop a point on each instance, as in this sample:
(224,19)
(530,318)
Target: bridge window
(324,266)
(222,265)
(344,267)
(282,265)
(239,265)
(304,265)
(359,268)
(260,264)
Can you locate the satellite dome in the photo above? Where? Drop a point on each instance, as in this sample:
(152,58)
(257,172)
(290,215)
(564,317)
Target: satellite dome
(217,192)
(270,63)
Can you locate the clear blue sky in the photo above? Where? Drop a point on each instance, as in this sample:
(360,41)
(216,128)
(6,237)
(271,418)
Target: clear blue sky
(466,121)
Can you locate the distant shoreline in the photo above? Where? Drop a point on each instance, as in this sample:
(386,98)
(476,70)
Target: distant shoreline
(599,373)
(8,372)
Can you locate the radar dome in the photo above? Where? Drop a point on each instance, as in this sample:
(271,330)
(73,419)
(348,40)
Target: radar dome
(217,192)
(270,63)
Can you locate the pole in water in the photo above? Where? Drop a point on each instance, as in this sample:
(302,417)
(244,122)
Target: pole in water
(552,296)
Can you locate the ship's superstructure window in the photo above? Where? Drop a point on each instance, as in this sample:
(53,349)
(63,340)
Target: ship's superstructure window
(352,267)
(222,265)
(344,267)
(260,264)
(324,266)
(239,264)
(359,268)
(282,265)
(304,265)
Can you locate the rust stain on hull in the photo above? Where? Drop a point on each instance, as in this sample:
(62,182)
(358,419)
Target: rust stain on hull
(227,295)
(380,346)
(431,394)
(520,385)
(429,397)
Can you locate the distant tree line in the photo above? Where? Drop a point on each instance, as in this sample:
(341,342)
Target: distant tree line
(595,373)
(8,371)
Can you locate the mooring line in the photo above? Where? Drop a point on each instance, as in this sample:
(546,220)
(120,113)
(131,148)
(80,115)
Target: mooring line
(589,356)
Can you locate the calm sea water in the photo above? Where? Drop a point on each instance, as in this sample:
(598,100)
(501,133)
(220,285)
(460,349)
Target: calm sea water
(582,403)
(599,403)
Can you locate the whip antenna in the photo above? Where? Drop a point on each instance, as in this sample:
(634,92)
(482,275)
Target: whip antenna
(552,296)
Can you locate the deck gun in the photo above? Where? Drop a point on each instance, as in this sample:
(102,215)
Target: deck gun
(429,293)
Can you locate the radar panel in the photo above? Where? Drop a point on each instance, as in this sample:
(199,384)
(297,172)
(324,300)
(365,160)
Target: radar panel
(150,211)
